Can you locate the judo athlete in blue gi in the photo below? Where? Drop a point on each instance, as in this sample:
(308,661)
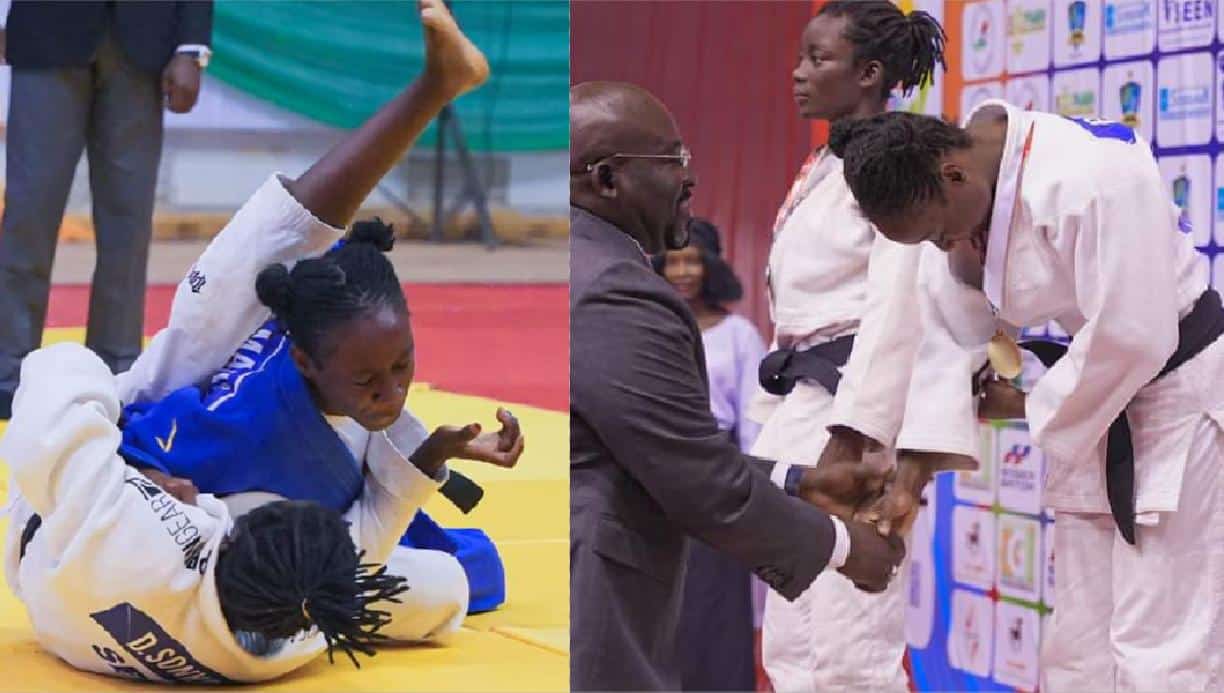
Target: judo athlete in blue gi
(279,417)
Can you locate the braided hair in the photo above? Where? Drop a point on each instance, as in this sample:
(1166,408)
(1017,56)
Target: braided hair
(891,161)
(353,279)
(290,566)
(908,46)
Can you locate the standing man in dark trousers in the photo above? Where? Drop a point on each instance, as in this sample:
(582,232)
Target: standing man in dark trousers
(93,77)
(648,466)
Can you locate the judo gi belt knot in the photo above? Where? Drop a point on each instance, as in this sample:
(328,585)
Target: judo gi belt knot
(781,369)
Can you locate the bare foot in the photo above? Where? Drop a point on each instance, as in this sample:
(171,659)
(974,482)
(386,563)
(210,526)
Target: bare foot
(455,63)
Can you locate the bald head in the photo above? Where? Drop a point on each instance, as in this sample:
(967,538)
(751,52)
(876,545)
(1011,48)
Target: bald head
(615,117)
(628,165)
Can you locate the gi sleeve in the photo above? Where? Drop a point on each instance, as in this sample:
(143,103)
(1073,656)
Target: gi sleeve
(642,391)
(957,323)
(872,394)
(1126,289)
(394,489)
(99,517)
(215,307)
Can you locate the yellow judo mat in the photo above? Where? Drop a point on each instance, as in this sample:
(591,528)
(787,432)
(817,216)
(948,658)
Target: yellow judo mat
(523,646)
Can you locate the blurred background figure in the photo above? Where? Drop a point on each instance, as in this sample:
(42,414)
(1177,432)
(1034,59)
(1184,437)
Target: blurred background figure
(716,623)
(92,77)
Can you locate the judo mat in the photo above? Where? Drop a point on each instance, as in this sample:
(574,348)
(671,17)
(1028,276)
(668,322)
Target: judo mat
(490,346)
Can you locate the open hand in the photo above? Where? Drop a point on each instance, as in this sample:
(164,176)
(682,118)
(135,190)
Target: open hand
(181,83)
(502,448)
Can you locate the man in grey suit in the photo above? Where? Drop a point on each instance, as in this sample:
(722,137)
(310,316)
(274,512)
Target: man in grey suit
(648,465)
(89,76)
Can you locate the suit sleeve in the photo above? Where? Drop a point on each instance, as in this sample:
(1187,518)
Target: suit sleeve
(636,381)
(215,308)
(195,19)
(872,393)
(1126,289)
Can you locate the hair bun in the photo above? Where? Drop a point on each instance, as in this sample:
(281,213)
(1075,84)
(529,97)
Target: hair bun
(374,232)
(274,287)
(842,133)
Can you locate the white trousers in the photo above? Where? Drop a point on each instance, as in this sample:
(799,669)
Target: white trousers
(1148,617)
(834,636)
(437,598)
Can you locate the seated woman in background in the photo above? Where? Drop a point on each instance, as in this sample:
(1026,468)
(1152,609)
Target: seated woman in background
(716,624)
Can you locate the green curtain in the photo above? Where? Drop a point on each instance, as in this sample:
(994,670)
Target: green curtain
(338,61)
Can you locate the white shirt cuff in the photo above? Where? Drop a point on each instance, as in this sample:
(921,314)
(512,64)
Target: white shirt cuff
(778,474)
(841,547)
(193,47)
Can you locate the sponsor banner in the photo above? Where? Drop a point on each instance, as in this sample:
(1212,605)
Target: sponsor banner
(1019,471)
(970,632)
(973,546)
(1130,28)
(1030,93)
(1128,95)
(1189,185)
(978,486)
(1186,23)
(984,40)
(1077,32)
(1017,643)
(1020,557)
(1028,35)
(1077,93)
(1184,114)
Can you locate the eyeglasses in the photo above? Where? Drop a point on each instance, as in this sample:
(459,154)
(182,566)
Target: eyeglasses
(684,157)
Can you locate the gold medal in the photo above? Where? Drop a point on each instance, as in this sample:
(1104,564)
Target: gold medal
(1004,355)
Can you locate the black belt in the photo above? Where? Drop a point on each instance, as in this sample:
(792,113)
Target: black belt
(27,533)
(781,369)
(1202,326)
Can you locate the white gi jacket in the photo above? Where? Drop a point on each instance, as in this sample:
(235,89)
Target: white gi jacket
(1083,233)
(119,577)
(831,273)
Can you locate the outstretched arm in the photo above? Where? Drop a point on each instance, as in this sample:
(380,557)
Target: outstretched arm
(215,309)
(334,187)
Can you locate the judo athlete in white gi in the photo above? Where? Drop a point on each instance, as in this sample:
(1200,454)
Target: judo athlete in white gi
(122,578)
(838,291)
(1069,220)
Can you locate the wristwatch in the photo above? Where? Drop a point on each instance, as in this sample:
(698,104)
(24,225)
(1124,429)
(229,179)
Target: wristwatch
(201,53)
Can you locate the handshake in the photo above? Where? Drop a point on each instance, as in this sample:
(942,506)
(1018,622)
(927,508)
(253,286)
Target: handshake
(877,503)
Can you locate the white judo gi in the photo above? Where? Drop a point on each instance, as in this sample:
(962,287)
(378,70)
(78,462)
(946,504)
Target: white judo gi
(1083,232)
(832,274)
(106,580)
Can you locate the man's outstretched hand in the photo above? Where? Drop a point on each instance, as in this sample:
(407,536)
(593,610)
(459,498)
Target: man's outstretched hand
(873,560)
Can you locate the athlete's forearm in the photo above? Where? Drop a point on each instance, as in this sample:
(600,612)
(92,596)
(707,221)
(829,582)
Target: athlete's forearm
(336,185)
